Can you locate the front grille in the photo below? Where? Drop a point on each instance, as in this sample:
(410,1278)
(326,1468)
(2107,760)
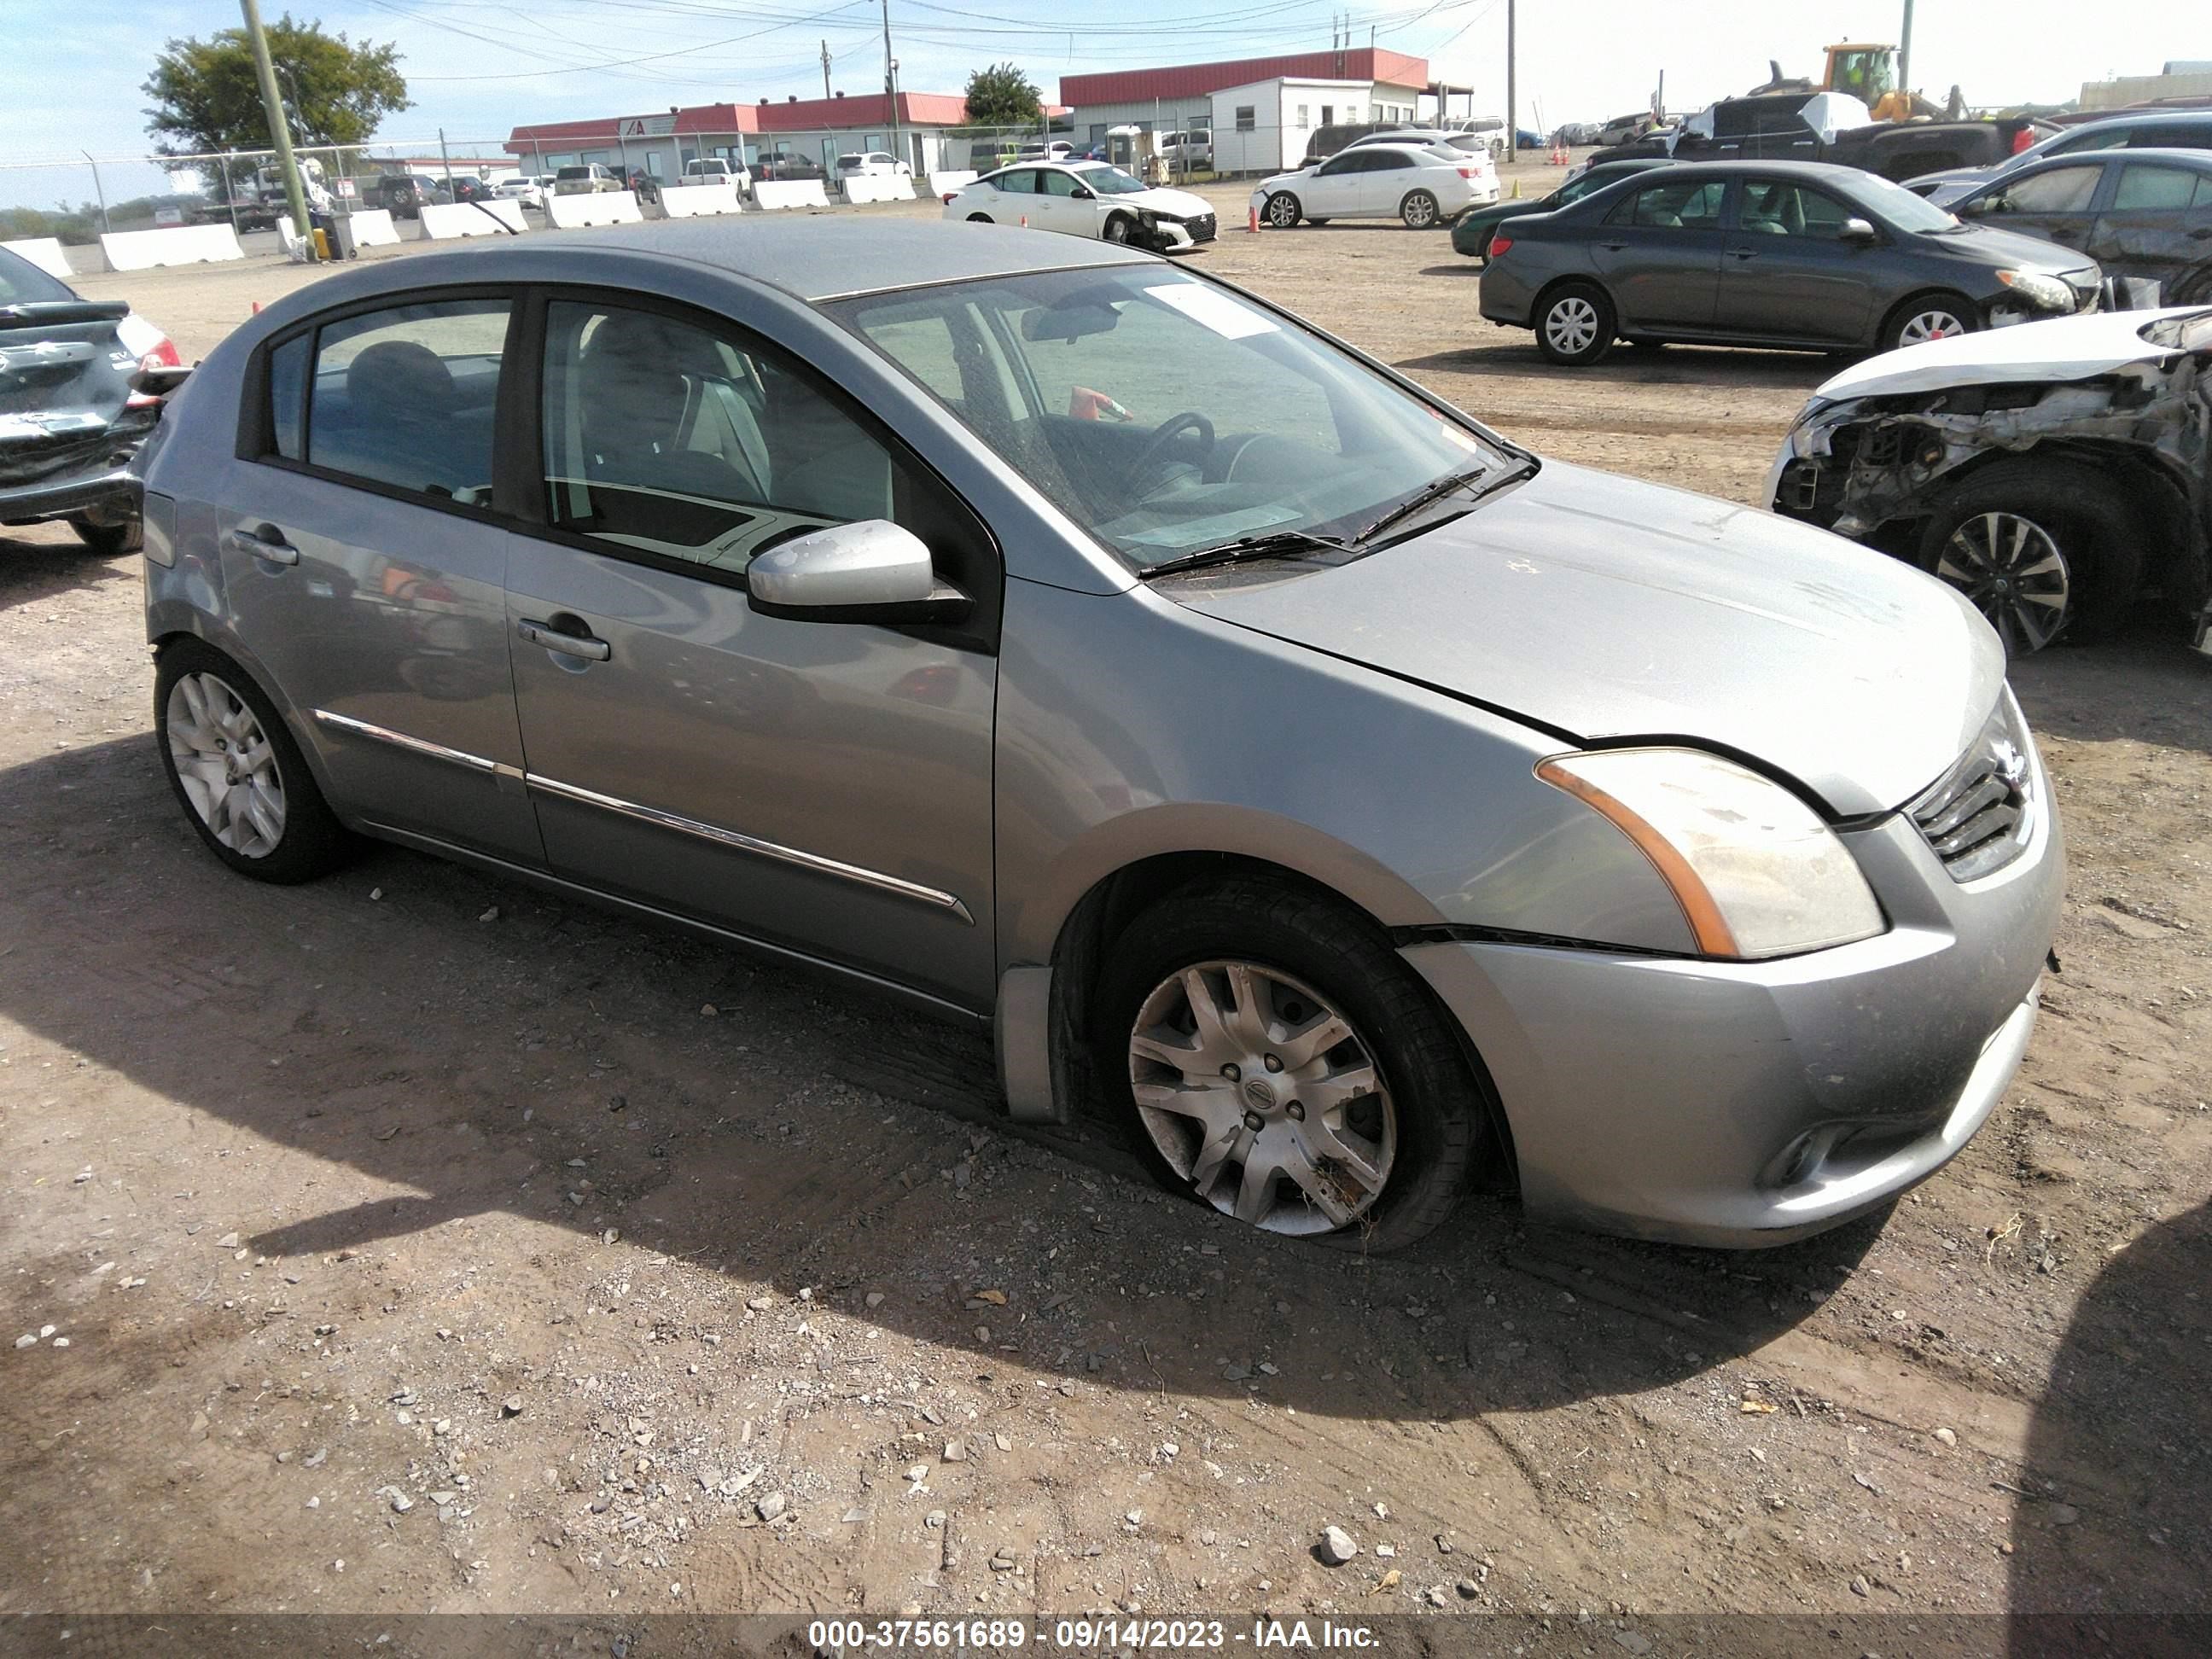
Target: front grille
(1979,815)
(1201,229)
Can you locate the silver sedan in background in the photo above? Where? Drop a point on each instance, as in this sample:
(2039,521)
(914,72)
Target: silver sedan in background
(1077,645)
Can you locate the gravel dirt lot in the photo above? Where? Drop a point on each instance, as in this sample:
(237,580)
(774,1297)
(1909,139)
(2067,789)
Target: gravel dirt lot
(424,1243)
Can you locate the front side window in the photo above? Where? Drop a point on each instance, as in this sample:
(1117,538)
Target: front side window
(2061,189)
(1162,413)
(698,444)
(1678,205)
(1057,183)
(1353,160)
(405,397)
(2145,188)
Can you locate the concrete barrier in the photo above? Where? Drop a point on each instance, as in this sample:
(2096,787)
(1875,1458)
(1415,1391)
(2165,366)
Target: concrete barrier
(43,252)
(373,228)
(942,185)
(790,193)
(442,220)
(187,244)
(695,201)
(878,188)
(607,206)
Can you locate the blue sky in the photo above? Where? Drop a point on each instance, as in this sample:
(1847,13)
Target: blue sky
(478,67)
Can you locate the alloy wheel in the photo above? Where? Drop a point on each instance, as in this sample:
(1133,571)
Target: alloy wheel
(1419,211)
(1571,325)
(2012,570)
(1935,322)
(226,765)
(1263,1096)
(1282,211)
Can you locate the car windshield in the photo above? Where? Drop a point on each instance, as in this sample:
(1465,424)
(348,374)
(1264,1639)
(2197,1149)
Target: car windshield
(1109,181)
(1900,206)
(22,282)
(575,172)
(1165,414)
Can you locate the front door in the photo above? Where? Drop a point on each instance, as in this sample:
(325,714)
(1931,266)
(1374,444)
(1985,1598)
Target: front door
(2054,202)
(1659,251)
(821,785)
(364,563)
(1333,189)
(1787,271)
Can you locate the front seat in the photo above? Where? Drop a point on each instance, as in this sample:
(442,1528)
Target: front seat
(644,381)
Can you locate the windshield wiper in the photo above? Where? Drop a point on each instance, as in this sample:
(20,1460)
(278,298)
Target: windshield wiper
(1434,491)
(1274,545)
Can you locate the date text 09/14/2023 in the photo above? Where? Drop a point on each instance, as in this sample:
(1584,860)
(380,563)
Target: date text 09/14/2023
(1081,1635)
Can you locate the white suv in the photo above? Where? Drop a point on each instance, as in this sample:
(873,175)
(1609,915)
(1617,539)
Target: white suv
(1424,185)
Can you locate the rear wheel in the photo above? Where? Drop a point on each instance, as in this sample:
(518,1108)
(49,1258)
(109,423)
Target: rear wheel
(1574,325)
(2040,547)
(238,775)
(1281,210)
(1419,210)
(1928,317)
(1285,1067)
(123,532)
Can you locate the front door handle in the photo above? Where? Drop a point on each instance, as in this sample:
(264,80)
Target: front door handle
(1743,253)
(268,542)
(589,646)
(1613,247)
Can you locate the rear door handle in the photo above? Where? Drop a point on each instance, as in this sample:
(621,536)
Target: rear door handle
(271,547)
(589,646)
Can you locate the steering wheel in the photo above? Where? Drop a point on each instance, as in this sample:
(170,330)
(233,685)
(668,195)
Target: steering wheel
(1165,433)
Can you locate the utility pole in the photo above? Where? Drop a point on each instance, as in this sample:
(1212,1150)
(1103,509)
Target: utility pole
(825,69)
(891,79)
(280,129)
(1512,114)
(1905,51)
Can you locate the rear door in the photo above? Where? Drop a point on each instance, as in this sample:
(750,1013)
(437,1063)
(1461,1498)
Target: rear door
(825,786)
(1786,272)
(364,558)
(1659,251)
(2157,224)
(1388,176)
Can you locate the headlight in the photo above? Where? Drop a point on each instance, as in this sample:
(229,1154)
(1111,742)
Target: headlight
(2046,293)
(1755,870)
(1815,407)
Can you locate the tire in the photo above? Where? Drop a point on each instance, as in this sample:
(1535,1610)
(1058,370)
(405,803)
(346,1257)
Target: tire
(110,540)
(1115,229)
(1412,1140)
(1419,211)
(1280,210)
(979,219)
(2035,511)
(1574,325)
(309,841)
(1929,316)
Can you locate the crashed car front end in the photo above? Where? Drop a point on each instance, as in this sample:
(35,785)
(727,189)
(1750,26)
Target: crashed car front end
(1872,468)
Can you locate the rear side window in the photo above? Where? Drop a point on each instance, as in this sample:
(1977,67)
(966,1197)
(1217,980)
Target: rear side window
(1679,204)
(2145,188)
(2176,136)
(22,282)
(405,397)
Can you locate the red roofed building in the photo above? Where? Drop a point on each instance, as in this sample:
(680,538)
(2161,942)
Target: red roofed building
(1259,113)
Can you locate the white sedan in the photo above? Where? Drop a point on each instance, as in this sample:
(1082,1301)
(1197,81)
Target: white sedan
(1422,184)
(872,164)
(525,190)
(1085,199)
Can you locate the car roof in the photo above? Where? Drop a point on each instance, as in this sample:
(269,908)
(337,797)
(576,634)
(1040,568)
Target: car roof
(816,259)
(2198,161)
(2137,118)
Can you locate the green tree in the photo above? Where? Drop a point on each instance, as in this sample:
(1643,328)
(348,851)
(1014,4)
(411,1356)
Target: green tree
(1002,96)
(206,97)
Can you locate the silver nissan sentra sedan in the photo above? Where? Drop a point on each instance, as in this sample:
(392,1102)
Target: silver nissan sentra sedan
(1067,642)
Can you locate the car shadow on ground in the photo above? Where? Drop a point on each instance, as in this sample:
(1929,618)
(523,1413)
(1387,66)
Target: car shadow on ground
(444,1042)
(46,566)
(2109,1519)
(1673,365)
(2145,686)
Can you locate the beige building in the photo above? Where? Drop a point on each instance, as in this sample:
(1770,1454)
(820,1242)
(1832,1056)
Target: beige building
(2181,79)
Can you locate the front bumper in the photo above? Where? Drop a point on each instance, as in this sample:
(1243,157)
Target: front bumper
(1748,1104)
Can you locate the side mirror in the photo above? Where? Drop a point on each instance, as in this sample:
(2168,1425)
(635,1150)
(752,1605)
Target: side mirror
(1856,230)
(1973,209)
(871,571)
(1084,193)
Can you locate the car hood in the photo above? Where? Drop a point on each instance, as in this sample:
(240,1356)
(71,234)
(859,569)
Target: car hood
(1281,178)
(1987,245)
(1608,609)
(2063,348)
(1180,202)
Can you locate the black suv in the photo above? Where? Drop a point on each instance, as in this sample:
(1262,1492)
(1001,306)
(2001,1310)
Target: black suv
(406,194)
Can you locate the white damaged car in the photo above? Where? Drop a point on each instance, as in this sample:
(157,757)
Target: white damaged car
(1085,199)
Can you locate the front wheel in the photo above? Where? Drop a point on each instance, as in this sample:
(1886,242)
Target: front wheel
(1419,210)
(1281,210)
(2038,548)
(1116,229)
(235,769)
(1929,316)
(979,218)
(1286,1068)
(1574,325)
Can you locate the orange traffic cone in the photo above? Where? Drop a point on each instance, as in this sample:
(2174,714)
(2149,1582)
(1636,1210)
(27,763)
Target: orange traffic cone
(1558,156)
(1252,219)
(1025,221)
(256,307)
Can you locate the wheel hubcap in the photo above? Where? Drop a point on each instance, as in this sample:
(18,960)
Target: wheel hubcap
(1418,212)
(1281,212)
(226,764)
(1263,1096)
(1929,325)
(1571,324)
(2011,568)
